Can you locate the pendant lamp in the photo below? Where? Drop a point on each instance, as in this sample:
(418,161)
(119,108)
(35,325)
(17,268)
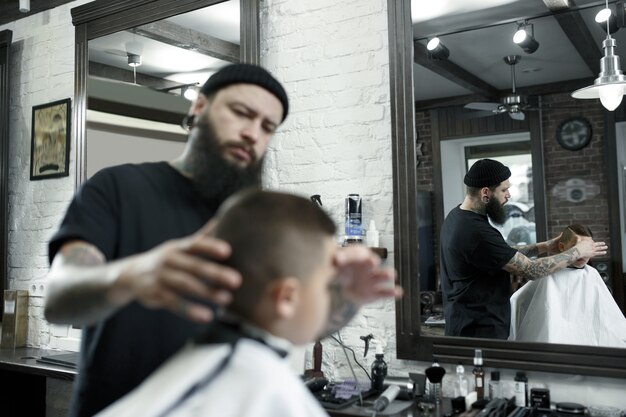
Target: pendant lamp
(610,85)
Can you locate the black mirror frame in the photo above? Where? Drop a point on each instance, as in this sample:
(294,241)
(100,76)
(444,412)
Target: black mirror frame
(103,17)
(570,359)
(6,37)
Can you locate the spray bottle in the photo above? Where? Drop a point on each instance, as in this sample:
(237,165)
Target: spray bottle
(379,367)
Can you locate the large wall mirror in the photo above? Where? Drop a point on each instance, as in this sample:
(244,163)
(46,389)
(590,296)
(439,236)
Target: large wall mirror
(449,110)
(138,66)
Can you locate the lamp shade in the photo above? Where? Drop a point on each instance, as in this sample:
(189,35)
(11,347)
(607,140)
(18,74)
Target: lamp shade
(610,85)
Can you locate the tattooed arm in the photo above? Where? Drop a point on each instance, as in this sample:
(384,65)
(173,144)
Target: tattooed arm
(83,288)
(360,280)
(532,269)
(550,246)
(341,311)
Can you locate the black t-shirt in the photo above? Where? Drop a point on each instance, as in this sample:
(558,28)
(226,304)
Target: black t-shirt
(475,288)
(125,210)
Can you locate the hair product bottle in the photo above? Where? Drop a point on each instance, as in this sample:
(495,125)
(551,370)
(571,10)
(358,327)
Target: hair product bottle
(520,389)
(495,387)
(479,374)
(461,383)
(379,368)
(354,226)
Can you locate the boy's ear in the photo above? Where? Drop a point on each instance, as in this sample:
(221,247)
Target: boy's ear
(285,296)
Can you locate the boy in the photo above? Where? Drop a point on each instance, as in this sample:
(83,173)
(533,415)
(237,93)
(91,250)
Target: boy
(283,246)
(571,306)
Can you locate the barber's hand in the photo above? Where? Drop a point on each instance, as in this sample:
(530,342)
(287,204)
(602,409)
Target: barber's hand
(590,249)
(361,277)
(553,245)
(169,275)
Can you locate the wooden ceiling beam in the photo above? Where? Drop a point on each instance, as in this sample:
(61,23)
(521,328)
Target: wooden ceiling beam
(577,32)
(453,72)
(182,37)
(533,90)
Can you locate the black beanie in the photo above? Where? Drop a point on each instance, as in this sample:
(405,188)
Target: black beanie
(486,173)
(246,74)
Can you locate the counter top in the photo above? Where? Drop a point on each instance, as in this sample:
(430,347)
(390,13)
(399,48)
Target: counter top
(24,360)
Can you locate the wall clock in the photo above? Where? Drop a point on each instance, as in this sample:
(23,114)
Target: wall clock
(574,134)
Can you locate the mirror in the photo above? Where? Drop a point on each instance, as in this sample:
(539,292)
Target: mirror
(142,81)
(481,75)
(110,37)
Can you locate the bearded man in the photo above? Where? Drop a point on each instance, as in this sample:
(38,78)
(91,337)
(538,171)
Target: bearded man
(134,262)
(477,263)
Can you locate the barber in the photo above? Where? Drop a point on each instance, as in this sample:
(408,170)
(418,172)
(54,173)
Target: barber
(477,263)
(133,262)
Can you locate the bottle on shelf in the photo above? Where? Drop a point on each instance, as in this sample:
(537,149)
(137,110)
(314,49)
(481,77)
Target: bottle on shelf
(379,367)
(495,386)
(520,389)
(461,383)
(479,374)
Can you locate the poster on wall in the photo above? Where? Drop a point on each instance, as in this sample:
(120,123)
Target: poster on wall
(50,140)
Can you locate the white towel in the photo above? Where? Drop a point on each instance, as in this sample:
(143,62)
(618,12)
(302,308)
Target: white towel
(572,306)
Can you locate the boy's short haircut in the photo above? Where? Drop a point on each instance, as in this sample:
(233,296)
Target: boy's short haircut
(573,230)
(272,235)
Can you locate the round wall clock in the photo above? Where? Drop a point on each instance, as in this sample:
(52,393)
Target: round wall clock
(574,134)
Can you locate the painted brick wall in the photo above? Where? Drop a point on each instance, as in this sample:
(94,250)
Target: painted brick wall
(42,70)
(333,58)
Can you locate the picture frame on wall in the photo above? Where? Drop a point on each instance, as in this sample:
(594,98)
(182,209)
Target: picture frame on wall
(50,140)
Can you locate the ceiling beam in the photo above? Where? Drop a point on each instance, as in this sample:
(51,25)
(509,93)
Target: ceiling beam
(577,32)
(182,37)
(453,72)
(534,90)
(97,69)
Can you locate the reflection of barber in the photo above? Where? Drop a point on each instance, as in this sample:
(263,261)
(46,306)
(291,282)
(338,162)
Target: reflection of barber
(476,261)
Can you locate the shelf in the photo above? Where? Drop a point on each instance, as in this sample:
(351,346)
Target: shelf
(382,252)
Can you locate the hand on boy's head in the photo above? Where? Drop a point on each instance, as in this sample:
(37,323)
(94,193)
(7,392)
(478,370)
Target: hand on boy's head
(553,245)
(588,248)
(177,272)
(361,277)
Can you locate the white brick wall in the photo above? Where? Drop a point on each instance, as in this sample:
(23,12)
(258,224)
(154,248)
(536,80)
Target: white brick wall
(42,70)
(333,58)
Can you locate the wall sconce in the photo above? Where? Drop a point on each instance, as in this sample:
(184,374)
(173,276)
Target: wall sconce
(437,50)
(526,40)
(24,6)
(610,84)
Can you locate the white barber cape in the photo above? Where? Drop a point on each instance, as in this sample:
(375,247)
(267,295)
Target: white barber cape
(256,382)
(571,306)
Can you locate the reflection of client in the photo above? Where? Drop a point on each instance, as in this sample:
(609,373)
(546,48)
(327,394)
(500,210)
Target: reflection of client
(571,306)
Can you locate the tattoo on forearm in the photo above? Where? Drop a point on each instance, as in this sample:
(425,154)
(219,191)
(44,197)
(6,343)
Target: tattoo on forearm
(341,311)
(82,255)
(542,267)
(530,251)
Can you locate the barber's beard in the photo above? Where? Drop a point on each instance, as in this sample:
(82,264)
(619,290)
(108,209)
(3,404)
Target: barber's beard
(213,176)
(495,211)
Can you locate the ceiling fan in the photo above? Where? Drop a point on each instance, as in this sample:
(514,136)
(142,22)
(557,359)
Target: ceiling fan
(132,53)
(514,104)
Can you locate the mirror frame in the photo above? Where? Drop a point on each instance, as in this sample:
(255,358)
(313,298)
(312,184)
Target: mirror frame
(103,17)
(6,37)
(570,359)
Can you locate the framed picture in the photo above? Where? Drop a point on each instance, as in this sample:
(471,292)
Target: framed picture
(50,140)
